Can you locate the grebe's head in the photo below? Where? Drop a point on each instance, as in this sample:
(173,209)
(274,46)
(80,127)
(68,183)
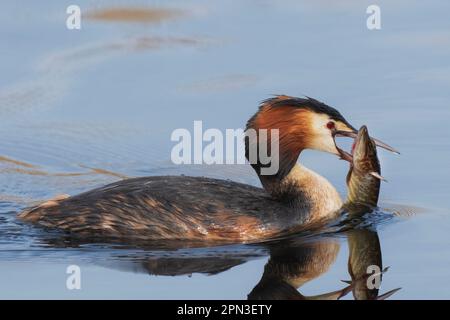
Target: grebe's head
(303,123)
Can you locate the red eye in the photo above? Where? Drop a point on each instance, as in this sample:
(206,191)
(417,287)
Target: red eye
(330,125)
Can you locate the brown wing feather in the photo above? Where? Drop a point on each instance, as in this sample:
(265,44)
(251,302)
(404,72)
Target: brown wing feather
(167,207)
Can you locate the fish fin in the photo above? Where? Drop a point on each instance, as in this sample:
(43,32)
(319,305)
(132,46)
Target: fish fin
(346,290)
(377,175)
(334,295)
(347,281)
(387,294)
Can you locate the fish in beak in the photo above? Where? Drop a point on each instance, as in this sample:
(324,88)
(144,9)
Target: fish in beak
(353,134)
(363,178)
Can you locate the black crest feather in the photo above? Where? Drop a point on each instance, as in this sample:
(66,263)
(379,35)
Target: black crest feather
(304,103)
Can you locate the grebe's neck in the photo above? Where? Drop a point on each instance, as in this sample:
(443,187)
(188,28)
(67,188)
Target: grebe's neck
(304,190)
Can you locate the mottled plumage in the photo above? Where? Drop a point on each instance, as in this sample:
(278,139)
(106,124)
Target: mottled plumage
(169,207)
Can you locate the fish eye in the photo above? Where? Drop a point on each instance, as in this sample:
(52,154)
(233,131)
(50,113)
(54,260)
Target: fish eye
(331,125)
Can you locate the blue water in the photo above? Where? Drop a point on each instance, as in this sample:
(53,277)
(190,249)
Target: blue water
(108,97)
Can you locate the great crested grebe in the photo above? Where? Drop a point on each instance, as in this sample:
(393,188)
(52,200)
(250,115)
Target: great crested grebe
(197,208)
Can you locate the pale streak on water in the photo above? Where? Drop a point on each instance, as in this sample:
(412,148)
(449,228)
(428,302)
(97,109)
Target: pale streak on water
(80,109)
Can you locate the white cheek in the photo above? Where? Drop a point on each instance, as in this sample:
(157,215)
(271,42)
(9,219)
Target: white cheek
(324,143)
(322,138)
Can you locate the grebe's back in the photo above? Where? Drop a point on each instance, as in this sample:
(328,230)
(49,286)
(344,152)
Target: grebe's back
(168,207)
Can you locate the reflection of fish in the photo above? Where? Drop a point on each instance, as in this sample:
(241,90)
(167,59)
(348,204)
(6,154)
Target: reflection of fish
(365,265)
(363,179)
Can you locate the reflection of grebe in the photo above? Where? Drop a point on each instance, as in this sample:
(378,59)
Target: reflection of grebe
(293,264)
(196,208)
